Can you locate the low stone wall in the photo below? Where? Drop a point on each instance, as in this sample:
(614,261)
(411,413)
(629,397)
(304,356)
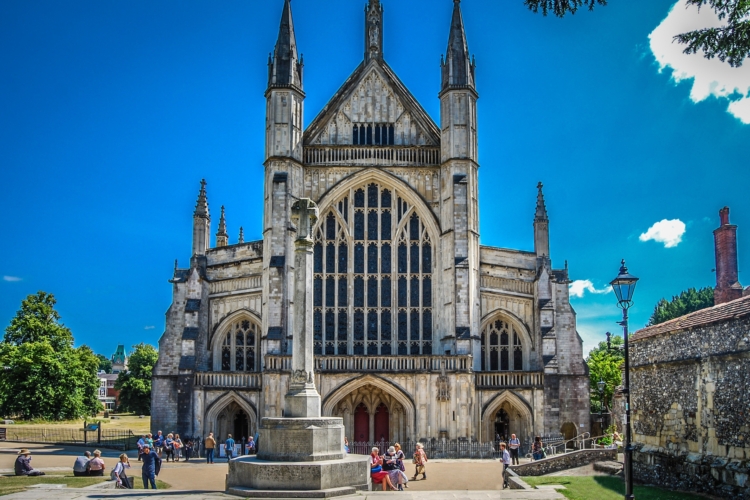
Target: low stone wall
(563,462)
(691,471)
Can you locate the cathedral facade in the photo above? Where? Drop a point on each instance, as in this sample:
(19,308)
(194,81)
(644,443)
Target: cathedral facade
(419,330)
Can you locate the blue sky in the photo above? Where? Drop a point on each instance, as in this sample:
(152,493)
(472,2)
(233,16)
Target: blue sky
(111,113)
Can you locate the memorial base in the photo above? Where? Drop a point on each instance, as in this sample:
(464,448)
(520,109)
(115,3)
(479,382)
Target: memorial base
(299,458)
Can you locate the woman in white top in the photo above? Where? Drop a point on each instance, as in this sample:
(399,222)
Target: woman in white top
(118,473)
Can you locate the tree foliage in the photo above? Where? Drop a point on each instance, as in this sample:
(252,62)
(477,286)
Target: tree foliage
(688,301)
(105,365)
(730,43)
(135,384)
(43,376)
(604,364)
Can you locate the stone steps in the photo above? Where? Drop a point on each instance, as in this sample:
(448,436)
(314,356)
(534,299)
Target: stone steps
(610,467)
(328,493)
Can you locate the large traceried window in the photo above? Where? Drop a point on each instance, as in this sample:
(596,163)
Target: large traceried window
(372,292)
(239,347)
(501,347)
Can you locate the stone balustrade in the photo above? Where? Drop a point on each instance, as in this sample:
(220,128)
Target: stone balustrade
(360,364)
(507,285)
(397,156)
(232,285)
(502,380)
(236,380)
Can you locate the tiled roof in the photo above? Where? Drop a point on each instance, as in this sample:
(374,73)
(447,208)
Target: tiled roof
(723,312)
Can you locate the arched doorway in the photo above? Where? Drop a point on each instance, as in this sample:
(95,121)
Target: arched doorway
(569,430)
(230,414)
(502,425)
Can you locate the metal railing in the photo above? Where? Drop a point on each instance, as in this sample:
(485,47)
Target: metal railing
(333,364)
(240,380)
(118,439)
(499,380)
(372,155)
(435,448)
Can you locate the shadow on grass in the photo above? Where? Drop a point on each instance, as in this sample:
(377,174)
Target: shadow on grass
(617,485)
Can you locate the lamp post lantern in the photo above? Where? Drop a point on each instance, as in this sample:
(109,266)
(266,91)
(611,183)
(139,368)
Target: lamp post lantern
(624,287)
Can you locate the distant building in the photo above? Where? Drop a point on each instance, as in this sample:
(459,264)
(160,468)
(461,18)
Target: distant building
(108,395)
(689,380)
(119,360)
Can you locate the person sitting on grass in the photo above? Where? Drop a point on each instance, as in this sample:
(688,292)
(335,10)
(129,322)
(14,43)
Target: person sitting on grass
(96,464)
(23,464)
(81,467)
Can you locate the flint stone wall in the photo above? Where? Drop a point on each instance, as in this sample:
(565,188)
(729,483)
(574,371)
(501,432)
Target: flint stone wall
(564,462)
(691,407)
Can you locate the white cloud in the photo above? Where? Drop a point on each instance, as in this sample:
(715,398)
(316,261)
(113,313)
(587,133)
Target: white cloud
(665,231)
(150,327)
(711,77)
(12,278)
(579,287)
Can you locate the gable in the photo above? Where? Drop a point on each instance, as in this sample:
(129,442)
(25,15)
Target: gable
(374,97)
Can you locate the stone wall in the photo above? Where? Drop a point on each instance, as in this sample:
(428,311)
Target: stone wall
(563,462)
(690,404)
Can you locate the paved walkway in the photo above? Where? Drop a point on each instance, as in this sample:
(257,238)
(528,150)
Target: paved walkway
(446,479)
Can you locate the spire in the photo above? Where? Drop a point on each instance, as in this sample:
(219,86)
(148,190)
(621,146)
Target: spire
(373,30)
(458,67)
(242,236)
(201,206)
(541,209)
(222,238)
(285,68)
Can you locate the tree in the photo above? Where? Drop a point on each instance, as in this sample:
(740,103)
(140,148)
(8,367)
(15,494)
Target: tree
(43,376)
(688,301)
(730,43)
(135,384)
(105,365)
(604,364)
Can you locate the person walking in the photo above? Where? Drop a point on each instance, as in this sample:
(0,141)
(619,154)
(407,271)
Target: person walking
(514,444)
(23,467)
(159,443)
(251,446)
(118,473)
(141,443)
(81,467)
(505,460)
(96,464)
(169,447)
(537,449)
(178,445)
(151,467)
(210,444)
(229,447)
(420,461)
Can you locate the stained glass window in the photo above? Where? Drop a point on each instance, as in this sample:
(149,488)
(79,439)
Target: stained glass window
(497,352)
(238,347)
(357,268)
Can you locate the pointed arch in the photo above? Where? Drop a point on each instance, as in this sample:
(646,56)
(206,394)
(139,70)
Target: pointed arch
(518,326)
(225,327)
(396,392)
(214,410)
(495,403)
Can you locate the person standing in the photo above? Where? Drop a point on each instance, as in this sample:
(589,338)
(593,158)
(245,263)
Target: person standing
(159,443)
(514,444)
(505,460)
(229,447)
(251,446)
(178,445)
(23,466)
(118,473)
(210,444)
(151,466)
(81,467)
(169,447)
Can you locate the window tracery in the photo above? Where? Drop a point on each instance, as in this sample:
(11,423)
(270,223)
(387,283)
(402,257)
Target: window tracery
(365,305)
(239,347)
(502,349)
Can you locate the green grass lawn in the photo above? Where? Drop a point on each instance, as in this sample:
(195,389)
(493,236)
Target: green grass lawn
(15,484)
(605,488)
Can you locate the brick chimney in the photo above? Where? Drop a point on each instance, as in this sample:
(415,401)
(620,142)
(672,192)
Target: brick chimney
(727,280)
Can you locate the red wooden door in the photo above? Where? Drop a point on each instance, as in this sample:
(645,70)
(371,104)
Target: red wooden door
(361,424)
(381,423)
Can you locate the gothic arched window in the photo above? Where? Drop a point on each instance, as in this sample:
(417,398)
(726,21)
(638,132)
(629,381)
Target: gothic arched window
(239,347)
(501,347)
(372,290)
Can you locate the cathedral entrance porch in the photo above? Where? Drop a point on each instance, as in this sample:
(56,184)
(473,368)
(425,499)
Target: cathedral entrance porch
(507,414)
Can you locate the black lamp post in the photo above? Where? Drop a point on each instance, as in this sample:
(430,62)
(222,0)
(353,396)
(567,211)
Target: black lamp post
(601,385)
(624,286)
